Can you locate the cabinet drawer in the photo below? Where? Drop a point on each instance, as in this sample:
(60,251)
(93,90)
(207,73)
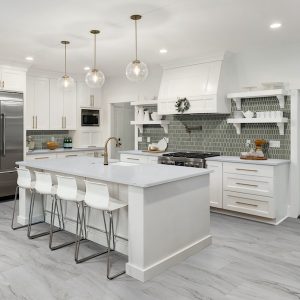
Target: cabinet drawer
(248,184)
(249,204)
(248,169)
(40,156)
(69,154)
(139,159)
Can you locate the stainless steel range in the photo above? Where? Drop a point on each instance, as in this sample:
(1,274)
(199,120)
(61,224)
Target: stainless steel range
(186,159)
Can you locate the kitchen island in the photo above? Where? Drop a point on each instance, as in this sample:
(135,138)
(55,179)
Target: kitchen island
(167,218)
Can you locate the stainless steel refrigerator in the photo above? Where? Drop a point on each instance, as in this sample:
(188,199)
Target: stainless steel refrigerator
(11,140)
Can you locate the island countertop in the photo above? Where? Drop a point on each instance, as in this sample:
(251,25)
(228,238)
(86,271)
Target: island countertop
(140,175)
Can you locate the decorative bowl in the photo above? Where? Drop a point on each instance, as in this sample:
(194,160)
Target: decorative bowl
(52,145)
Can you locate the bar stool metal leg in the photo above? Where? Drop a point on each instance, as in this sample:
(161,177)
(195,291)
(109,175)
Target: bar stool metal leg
(82,223)
(60,223)
(111,231)
(13,226)
(30,219)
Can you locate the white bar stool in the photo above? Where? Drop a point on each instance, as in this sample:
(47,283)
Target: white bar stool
(24,181)
(43,186)
(66,190)
(97,197)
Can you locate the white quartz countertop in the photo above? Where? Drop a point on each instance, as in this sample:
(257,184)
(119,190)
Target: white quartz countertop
(63,150)
(140,175)
(140,152)
(236,159)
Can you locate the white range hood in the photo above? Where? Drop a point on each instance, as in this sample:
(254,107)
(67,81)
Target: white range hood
(205,82)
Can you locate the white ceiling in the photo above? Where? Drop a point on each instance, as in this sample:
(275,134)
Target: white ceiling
(186,28)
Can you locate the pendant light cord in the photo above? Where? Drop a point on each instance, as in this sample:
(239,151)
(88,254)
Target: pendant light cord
(94,51)
(65,59)
(135,23)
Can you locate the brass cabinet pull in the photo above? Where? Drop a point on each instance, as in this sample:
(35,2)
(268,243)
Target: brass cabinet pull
(253,205)
(247,184)
(32,122)
(36,122)
(130,158)
(62,122)
(71,155)
(249,170)
(44,157)
(3,83)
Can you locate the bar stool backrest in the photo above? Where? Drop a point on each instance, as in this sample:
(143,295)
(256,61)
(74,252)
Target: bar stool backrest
(96,195)
(66,188)
(43,183)
(24,178)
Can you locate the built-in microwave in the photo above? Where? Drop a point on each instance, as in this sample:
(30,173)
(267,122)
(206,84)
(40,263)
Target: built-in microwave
(90,117)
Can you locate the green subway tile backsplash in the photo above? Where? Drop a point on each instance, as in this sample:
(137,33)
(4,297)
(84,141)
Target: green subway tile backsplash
(217,135)
(41,137)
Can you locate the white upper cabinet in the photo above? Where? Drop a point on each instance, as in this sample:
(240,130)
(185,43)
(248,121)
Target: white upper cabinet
(203,82)
(88,97)
(62,108)
(37,103)
(12,79)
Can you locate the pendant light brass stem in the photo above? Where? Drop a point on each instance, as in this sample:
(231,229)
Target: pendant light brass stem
(136,18)
(95,32)
(65,43)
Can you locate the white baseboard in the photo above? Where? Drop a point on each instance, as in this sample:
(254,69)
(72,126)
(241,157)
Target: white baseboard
(160,266)
(24,221)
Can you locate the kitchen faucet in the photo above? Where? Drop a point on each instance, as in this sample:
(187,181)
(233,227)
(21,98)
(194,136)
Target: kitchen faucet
(105,154)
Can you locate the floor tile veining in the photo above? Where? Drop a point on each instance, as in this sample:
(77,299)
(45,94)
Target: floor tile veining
(247,260)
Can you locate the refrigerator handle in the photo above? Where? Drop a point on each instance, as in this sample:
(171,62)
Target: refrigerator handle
(3,134)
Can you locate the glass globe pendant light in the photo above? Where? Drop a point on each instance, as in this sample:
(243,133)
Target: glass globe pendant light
(66,82)
(136,70)
(94,78)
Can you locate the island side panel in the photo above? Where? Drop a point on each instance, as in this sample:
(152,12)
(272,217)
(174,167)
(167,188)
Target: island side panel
(167,223)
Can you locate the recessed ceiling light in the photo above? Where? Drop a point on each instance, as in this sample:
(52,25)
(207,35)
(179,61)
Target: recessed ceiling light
(86,68)
(275,25)
(29,58)
(163,51)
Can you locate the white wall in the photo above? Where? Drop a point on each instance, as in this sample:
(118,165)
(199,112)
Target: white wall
(269,65)
(120,89)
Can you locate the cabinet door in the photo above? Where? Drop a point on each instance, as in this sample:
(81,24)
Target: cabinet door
(30,112)
(56,106)
(41,103)
(87,97)
(215,183)
(13,80)
(70,109)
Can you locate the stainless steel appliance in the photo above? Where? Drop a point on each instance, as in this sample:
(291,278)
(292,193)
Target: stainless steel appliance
(90,117)
(11,140)
(187,159)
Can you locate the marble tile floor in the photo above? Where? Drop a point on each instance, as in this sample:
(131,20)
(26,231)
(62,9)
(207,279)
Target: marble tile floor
(247,260)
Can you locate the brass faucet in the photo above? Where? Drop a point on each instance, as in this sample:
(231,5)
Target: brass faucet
(105,154)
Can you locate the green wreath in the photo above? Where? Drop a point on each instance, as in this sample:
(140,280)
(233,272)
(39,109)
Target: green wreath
(182,105)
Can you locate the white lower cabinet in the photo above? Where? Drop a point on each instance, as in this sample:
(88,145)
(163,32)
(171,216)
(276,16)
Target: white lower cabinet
(139,159)
(96,153)
(215,185)
(250,189)
(249,204)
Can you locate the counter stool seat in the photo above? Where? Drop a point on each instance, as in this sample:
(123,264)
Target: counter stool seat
(43,186)
(24,181)
(66,190)
(97,197)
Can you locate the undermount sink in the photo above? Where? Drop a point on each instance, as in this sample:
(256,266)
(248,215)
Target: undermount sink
(123,164)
